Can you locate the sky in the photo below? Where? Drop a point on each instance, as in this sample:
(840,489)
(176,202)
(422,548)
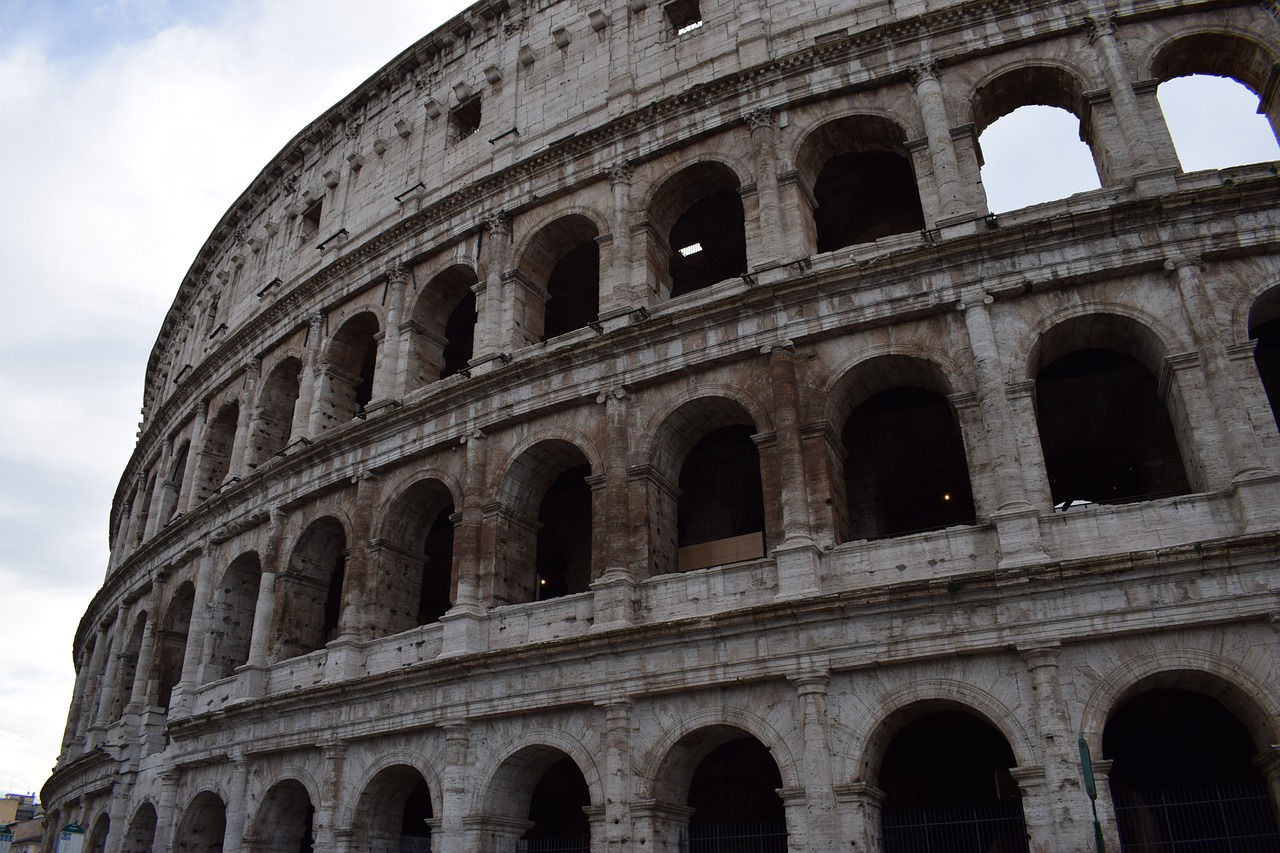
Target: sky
(129,127)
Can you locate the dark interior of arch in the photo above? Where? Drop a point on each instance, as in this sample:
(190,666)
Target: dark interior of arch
(285,820)
(128,667)
(1183,774)
(142,831)
(173,643)
(948,787)
(556,808)
(313,601)
(97,842)
(1106,434)
(905,468)
(279,399)
(215,456)
(734,795)
(436,592)
(231,627)
(717,223)
(204,825)
(459,334)
(720,491)
(355,355)
(417,811)
(863,196)
(1266,355)
(563,563)
(573,291)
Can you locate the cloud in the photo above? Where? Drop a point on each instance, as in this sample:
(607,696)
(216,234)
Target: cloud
(131,127)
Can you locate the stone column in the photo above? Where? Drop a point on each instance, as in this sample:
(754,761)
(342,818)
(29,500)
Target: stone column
(455,784)
(389,373)
(953,196)
(93,687)
(1022,411)
(1268,761)
(822,828)
(1062,809)
(193,656)
(166,811)
(1240,442)
(324,828)
(1017,522)
(240,442)
(762,123)
(108,687)
(237,808)
(615,589)
(310,404)
(462,624)
(355,621)
(491,338)
(1102,35)
(156,504)
(141,674)
(616,291)
(1106,805)
(861,804)
(199,420)
(618,792)
(798,555)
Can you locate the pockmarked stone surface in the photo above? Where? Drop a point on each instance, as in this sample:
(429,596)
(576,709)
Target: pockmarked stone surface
(624,427)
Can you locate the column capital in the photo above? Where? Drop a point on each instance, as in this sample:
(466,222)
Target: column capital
(1179,262)
(618,394)
(760,117)
(620,173)
(497,222)
(1040,655)
(923,72)
(1098,26)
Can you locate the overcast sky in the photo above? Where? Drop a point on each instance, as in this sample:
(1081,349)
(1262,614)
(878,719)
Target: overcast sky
(129,127)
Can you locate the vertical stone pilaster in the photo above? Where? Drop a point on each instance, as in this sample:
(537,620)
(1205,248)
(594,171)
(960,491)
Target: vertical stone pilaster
(240,441)
(146,653)
(356,622)
(167,812)
(618,792)
(388,377)
(1102,35)
(616,293)
(1017,522)
(306,412)
(615,589)
(763,124)
(237,808)
(94,686)
(110,676)
(492,335)
(797,556)
(455,783)
(822,825)
(199,421)
(462,624)
(194,655)
(860,804)
(953,196)
(324,828)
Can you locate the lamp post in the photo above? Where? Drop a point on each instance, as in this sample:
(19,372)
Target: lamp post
(1086,768)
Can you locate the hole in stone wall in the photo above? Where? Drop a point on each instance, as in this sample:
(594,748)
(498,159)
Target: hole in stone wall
(1214,123)
(573,291)
(563,564)
(684,16)
(716,225)
(721,496)
(863,196)
(556,809)
(464,119)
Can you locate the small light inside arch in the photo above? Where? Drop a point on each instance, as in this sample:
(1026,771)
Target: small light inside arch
(946,496)
(542,581)
(692,249)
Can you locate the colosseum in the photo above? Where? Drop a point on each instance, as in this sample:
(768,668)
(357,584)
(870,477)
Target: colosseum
(623,425)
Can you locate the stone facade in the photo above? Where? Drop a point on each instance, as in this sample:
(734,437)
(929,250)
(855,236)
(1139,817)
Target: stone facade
(466,506)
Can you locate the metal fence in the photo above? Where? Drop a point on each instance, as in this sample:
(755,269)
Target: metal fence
(764,837)
(555,844)
(988,828)
(1236,818)
(415,844)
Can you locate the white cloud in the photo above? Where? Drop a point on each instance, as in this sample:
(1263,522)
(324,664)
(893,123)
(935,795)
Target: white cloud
(121,158)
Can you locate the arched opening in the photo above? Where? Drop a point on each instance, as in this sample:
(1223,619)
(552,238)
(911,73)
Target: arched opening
(276,408)
(699,214)
(1033,146)
(564,260)
(735,800)
(173,486)
(1264,328)
(285,820)
(1183,776)
(142,831)
(444,327)
(720,511)
(215,456)
(97,840)
(173,642)
(1105,431)
(547,505)
(350,368)
(947,783)
(905,465)
(231,626)
(203,826)
(311,603)
(418,583)
(394,813)
(863,184)
(556,810)
(1209,87)
(128,671)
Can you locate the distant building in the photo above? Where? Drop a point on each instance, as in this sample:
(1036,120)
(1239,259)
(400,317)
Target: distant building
(622,426)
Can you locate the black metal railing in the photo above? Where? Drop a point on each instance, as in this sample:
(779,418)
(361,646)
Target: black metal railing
(555,844)
(763,837)
(415,844)
(1228,818)
(959,829)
